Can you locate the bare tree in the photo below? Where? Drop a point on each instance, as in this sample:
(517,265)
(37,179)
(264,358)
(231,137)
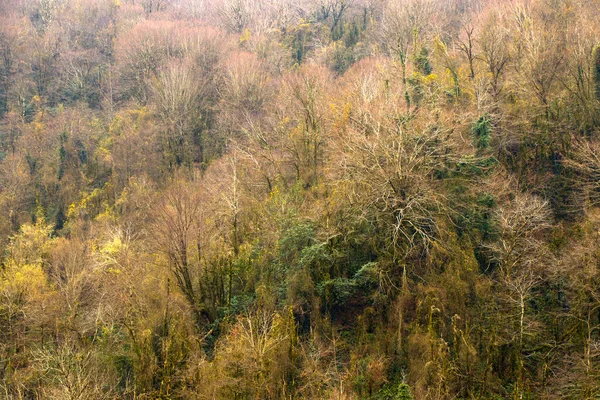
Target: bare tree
(523,264)
(466,45)
(72,374)
(177,225)
(404,26)
(542,53)
(176,95)
(388,164)
(519,223)
(495,51)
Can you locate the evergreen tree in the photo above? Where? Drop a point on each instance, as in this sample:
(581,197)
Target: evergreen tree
(404,392)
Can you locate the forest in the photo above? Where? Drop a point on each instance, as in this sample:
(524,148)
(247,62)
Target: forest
(299,199)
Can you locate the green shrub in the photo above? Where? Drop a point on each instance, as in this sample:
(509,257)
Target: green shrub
(482,132)
(404,392)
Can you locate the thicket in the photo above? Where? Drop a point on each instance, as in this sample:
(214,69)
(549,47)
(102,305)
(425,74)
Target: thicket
(326,199)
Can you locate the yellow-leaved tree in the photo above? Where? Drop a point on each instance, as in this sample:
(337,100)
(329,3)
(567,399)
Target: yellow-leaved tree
(25,298)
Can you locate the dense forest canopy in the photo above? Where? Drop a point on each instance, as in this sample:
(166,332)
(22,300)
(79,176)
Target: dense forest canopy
(299,199)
